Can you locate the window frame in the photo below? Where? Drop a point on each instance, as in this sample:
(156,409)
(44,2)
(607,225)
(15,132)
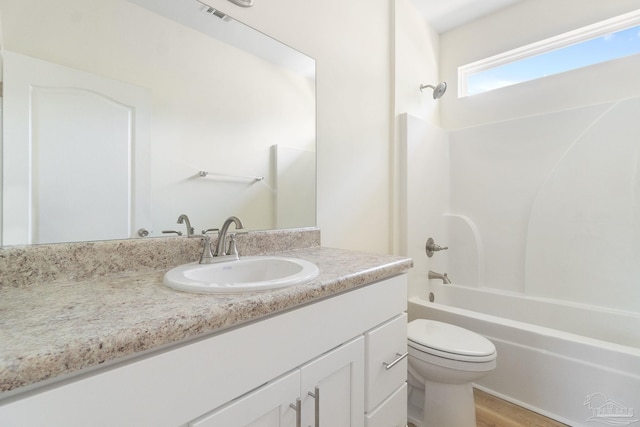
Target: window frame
(589,32)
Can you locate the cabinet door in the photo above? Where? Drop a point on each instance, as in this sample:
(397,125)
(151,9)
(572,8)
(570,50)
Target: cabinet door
(332,388)
(268,406)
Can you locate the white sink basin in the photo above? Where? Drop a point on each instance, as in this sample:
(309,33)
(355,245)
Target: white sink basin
(248,274)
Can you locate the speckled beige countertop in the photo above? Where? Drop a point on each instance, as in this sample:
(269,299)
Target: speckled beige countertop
(55,328)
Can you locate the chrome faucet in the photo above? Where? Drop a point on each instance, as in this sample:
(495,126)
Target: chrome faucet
(207,256)
(184,219)
(443,277)
(222,238)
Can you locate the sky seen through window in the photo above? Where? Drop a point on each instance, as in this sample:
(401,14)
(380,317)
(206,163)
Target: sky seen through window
(601,49)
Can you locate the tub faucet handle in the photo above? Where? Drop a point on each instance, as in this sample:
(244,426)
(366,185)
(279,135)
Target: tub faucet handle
(431,247)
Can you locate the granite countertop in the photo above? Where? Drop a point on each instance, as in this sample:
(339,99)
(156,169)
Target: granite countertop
(55,330)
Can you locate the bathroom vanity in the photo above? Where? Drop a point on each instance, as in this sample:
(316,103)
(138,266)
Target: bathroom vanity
(123,349)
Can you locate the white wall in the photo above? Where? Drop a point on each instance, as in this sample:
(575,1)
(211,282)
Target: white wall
(546,170)
(416,53)
(351,44)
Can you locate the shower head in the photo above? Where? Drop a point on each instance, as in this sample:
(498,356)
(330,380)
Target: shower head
(438,90)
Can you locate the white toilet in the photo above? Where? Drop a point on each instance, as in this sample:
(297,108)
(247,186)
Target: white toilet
(444,360)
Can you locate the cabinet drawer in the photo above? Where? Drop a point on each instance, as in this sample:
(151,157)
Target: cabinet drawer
(391,412)
(384,345)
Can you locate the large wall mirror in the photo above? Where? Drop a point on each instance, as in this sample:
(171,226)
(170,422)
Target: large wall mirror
(121,115)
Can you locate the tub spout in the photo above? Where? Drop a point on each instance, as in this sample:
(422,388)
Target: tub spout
(443,277)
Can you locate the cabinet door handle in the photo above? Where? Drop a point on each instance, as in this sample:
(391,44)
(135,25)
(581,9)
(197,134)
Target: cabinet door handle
(316,396)
(298,408)
(401,356)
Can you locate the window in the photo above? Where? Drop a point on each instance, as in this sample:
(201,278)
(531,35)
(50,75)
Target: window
(601,42)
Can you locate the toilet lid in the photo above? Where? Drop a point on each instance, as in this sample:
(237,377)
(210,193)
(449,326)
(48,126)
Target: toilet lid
(443,337)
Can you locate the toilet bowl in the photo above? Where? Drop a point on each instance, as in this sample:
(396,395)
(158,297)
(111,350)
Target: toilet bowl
(444,361)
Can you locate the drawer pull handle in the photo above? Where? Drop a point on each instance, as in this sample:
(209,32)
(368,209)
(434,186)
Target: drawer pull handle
(401,356)
(316,396)
(298,408)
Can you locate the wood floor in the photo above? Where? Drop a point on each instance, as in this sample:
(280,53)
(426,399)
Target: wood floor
(494,412)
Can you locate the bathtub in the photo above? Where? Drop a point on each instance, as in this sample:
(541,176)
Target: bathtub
(574,363)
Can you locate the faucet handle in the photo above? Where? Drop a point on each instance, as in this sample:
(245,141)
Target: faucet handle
(207,255)
(179,233)
(210,229)
(431,247)
(233,248)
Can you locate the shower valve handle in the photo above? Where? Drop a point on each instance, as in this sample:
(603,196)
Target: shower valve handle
(431,247)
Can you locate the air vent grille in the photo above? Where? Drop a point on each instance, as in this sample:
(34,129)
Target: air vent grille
(215,12)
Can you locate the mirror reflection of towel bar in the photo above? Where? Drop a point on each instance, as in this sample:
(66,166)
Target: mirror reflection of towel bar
(223,176)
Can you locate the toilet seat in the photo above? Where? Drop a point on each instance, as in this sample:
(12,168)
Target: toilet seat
(449,341)
(443,364)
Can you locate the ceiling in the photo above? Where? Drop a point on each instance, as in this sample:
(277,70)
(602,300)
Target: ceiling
(444,15)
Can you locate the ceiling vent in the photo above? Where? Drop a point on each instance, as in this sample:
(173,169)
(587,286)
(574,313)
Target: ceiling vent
(215,12)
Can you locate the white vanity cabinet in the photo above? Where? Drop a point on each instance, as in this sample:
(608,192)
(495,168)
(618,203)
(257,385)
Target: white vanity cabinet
(268,406)
(324,392)
(248,375)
